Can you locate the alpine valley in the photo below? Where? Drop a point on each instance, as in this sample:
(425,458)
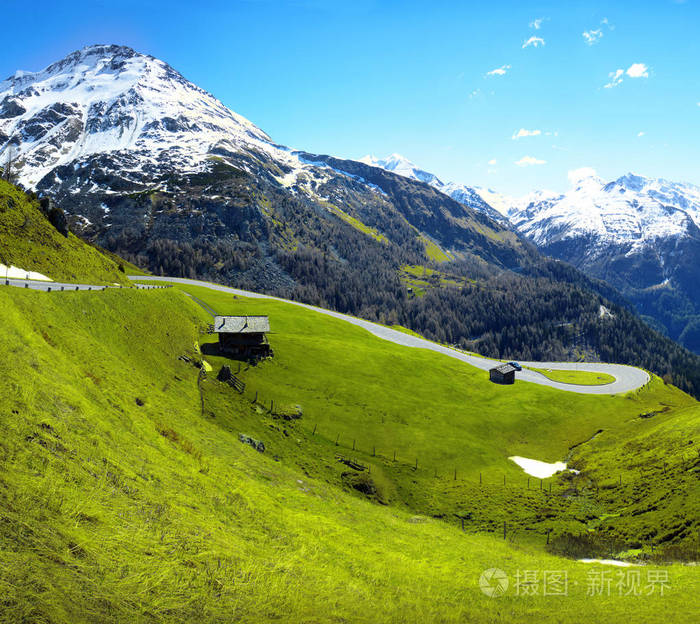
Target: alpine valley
(638,234)
(183,438)
(153,168)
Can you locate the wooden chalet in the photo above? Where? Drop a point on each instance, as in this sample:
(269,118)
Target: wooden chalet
(503,374)
(243,337)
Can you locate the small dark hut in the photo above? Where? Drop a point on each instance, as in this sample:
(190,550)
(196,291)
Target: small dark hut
(503,374)
(243,337)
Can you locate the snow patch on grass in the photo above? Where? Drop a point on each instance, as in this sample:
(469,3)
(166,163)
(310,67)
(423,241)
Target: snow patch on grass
(13,272)
(612,562)
(536,468)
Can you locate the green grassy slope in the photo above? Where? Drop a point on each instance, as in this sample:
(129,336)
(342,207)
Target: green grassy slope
(656,489)
(125,494)
(382,395)
(582,378)
(30,242)
(369,400)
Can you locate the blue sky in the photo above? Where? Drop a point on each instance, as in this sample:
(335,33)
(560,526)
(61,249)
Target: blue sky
(363,76)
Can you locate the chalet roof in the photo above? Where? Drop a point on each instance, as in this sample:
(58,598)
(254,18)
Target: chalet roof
(504,369)
(241,324)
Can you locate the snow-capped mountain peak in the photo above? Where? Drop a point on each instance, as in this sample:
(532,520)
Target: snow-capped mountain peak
(402,166)
(633,211)
(641,235)
(106,98)
(459,192)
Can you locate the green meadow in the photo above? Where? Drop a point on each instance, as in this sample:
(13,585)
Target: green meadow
(419,403)
(582,378)
(31,243)
(126,494)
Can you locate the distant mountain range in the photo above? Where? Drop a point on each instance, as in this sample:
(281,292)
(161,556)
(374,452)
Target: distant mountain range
(152,167)
(467,195)
(641,235)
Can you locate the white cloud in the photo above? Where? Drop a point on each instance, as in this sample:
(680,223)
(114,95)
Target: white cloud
(493,162)
(535,42)
(525,133)
(499,71)
(640,134)
(592,36)
(528,161)
(638,70)
(475,93)
(537,23)
(616,78)
(576,175)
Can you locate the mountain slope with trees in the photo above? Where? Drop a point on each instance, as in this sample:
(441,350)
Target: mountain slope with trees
(183,186)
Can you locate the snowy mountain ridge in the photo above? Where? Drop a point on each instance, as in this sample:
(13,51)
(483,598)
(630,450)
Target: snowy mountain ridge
(469,196)
(109,99)
(134,152)
(633,210)
(641,235)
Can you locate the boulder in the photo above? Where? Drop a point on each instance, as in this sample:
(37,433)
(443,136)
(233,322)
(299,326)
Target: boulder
(258,445)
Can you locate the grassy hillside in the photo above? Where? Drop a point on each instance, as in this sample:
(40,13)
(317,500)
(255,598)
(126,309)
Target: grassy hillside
(582,378)
(30,242)
(389,407)
(126,495)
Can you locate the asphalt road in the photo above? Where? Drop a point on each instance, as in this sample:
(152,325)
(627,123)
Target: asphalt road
(627,378)
(64,286)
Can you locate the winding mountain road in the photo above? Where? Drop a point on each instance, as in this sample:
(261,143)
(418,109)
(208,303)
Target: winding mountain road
(627,378)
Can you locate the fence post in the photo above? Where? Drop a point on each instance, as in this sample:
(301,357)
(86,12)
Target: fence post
(314,431)
(504,529)
(336,439)
(353,444)
(455,474)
